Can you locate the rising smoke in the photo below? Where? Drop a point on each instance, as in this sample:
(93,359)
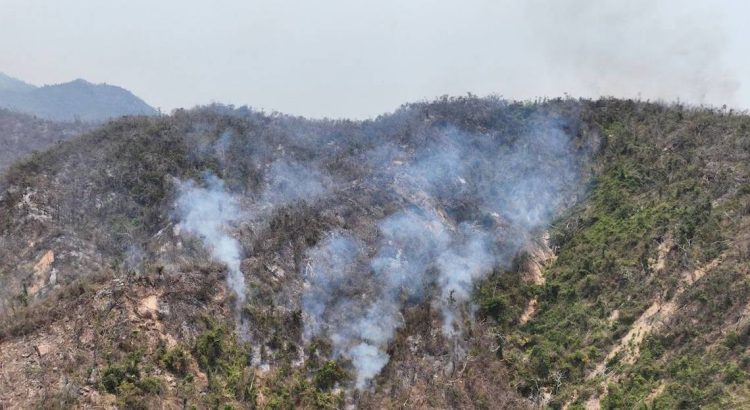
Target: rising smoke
(471,204)
(208,212)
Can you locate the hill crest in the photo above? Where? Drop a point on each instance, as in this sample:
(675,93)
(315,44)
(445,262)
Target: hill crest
(77,100)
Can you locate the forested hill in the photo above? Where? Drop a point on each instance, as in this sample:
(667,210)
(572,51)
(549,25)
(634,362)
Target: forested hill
(458,253)
(77,100)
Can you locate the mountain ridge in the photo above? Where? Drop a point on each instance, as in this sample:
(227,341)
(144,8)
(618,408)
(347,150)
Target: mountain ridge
(77,100)
(589,254)
(8,83)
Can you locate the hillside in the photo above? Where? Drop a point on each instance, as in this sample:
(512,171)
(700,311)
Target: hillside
(460,253)
(10,84)
(21,135)
(77,100)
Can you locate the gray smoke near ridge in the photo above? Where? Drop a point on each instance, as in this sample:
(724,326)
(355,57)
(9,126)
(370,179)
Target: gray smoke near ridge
(208,212)
(434,242)
(503,180)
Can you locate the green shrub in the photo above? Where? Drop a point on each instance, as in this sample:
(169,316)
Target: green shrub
(327,376)
(176,360)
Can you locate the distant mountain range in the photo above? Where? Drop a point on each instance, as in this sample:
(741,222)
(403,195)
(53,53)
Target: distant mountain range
(75,100)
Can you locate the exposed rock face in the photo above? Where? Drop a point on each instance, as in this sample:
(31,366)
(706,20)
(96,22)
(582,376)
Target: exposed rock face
(42,271)
(540,255)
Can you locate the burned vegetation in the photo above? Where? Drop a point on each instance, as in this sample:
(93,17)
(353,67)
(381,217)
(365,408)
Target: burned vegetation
(226,257)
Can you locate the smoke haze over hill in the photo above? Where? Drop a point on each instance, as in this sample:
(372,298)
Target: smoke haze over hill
(366,263)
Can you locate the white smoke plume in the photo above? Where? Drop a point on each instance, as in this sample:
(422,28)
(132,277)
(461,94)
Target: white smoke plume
(361,313)
(467,260)
(337,303)
(369,360)
(134,259)
(208,213)
(330,277)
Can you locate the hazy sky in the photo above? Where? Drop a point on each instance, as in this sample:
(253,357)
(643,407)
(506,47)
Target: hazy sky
(351,58)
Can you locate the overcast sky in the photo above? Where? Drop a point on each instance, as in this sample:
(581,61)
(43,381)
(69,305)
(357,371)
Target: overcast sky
(353,58)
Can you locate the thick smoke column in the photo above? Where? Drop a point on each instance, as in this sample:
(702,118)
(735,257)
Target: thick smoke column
(207,212)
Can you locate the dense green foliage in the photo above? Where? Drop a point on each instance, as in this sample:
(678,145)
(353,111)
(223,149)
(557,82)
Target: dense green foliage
(662,175)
